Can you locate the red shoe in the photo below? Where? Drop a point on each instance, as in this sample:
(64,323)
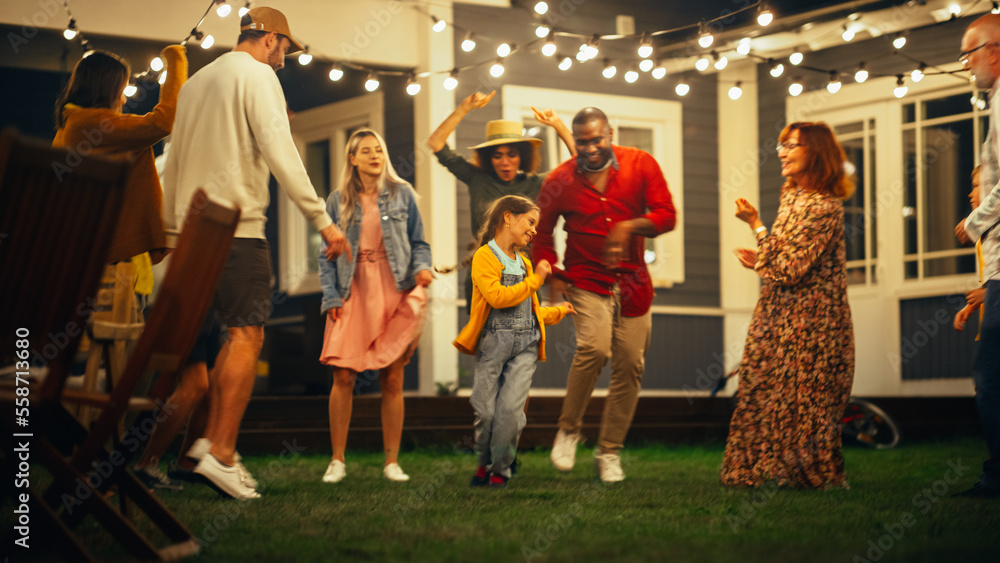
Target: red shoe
(480,479)
(498,481)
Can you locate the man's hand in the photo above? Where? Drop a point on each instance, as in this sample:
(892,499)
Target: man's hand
(336,243)
(616,246)
(976,297)
(424,278)
(961,235)
(334,314)
(961,317)
(546,116)
(476,100)
(543,269)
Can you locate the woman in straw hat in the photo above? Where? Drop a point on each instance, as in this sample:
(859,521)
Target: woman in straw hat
(505,164)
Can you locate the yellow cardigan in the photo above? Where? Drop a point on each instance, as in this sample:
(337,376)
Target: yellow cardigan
(488,294)
(107,132)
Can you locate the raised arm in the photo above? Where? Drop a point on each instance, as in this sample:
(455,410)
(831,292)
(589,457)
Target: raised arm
(440,135)
(551,118)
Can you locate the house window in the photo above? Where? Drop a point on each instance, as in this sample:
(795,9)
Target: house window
(861,221)
(941,138)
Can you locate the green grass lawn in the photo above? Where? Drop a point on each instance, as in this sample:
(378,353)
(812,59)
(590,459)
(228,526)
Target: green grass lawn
(670,507)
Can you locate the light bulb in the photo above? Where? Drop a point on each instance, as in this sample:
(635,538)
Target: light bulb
(646,65)
(208,41)
(565,63)
(371,84)
(900,90)
(796,58)
(541,8)
(542,31)
(955,10)
(503,50)
(224,9)
(682,88)
(156,64)
(659,72)
(918,73)
(70,32)
(609,69)
(736,91)
(631,76)
(412,87)
(304,57)
(721,62)
(743,47)
(130,90)
(451,82)
(549,48)
(777,69)
(705,37)
(438,26)
(645,48)
(163,78)
(848,33)
(996,8)
(469,43)
(336,73)
(861,74)
(764,15)
(702,64)
(833,86)
(496,71)
(899,42)
(243,11)
(795,88)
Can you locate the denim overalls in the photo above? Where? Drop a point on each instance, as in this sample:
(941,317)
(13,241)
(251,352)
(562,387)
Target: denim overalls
(505,363)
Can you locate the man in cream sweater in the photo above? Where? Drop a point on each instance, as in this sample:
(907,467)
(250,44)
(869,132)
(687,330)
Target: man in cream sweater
(230,134)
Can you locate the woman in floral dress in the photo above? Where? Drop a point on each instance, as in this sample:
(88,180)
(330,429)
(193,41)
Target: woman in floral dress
(798,363)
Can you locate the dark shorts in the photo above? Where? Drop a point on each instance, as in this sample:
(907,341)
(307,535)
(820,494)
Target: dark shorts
(243,296)
(209,342)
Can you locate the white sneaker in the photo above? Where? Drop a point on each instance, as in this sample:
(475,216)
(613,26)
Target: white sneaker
(225,479)
(394,472)
(199,448)
(609,467)
(244,472)
(564,451)
(335,472)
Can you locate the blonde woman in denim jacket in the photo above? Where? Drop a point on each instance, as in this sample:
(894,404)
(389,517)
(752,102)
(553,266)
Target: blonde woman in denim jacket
(374,300)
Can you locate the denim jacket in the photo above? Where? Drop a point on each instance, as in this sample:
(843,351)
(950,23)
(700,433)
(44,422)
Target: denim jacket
(402,234)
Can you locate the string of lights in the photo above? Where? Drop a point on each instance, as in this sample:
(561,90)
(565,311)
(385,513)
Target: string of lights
(545,34)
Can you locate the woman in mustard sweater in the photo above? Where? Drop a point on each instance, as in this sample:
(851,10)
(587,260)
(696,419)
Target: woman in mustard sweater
(89,120)
(506,332)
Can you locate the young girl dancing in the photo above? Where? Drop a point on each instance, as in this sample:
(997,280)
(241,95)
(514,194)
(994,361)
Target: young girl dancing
(506,332)
(374,304)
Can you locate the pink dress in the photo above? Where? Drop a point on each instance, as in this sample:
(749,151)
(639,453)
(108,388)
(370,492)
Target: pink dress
(378,323)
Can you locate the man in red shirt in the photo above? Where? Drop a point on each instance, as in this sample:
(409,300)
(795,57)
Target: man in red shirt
(610,198)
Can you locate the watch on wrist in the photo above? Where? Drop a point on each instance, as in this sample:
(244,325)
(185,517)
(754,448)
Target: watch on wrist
(759,230)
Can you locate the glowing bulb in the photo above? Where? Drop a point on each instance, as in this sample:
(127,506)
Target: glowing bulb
(953,9)
(682,88)
(549,48)
(496,71)
(609,70)
(721,62)
(705,37)
(900,90)
(566,63)
(451,82)
(861,74)
(469,43)
(777,69)
(795,88)
(130,90)
(918,73)
(996,8)
(336,73)
(764,16)
(848,34)
(541,8)
(156,64)
(645,48)
(833,86)
(438,26)
(163,78)
(244,10)
(743,47)
(631,76)
(796,58)
(736,91)
(224,9)
(659,72)
(503,50)
(208,41)
(542,31)
(69,33)
(305,58)
(899,42)
(646,65)
(702,64)
(372,83)
(412,87)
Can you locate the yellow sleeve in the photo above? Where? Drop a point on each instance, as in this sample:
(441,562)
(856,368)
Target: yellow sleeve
(551,315)
(486,271)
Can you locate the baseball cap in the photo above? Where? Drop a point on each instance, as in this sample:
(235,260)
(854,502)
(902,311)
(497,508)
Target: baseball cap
(269,19)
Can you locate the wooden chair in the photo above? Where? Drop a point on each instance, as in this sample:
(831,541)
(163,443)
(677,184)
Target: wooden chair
(171,329)
(58,212)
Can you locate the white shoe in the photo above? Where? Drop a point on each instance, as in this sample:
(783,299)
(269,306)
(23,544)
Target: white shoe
(199,448)
(244,472)
(609,467)
(564,451)
(394,472)
(335,472)
(226,479)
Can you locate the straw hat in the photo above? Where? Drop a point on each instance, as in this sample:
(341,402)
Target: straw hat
(502,132)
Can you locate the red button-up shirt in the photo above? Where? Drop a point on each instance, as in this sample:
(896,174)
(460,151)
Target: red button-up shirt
(635,188)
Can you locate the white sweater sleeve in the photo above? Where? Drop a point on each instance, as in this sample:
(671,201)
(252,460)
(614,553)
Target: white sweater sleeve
(266,113)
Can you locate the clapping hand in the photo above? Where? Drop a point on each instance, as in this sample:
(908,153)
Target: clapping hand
(747,257)
(747,212)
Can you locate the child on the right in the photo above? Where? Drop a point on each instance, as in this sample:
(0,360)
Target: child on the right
(506,332)
(974,298)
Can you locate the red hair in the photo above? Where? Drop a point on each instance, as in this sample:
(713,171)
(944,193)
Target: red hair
(825,159)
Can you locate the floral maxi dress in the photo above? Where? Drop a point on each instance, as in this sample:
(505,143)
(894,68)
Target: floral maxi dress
(798,364)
